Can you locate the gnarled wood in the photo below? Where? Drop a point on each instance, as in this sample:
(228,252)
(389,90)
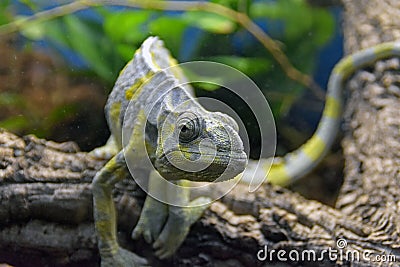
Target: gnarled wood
(46,204)
(46,214)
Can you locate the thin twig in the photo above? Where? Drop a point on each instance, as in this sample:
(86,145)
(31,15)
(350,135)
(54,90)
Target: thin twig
(42,16)
(240,18)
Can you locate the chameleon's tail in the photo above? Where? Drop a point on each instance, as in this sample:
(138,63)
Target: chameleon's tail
(296,164)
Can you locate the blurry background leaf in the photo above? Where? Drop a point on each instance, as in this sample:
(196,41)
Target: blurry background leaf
(209,86)
(250,66)
(88,44)
(124,26)
(124,29)
(209,22)
(14,123)
(171,29)
(323,27)
(31,4)
(35,30)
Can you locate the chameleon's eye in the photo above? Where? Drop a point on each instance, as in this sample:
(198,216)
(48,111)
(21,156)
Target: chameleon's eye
(189,128)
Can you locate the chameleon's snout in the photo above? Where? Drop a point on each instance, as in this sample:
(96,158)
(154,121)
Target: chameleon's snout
(211,168)
(237,164)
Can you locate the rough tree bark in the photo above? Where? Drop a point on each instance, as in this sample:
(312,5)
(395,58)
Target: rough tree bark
(372,118)
(46,202)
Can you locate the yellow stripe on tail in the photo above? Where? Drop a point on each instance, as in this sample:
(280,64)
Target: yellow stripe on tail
(296,164)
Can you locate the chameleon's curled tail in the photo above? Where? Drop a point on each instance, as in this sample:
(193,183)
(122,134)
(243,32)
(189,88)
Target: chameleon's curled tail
(296,164)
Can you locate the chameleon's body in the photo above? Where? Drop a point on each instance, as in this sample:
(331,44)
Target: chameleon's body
(167,225)
(152,117)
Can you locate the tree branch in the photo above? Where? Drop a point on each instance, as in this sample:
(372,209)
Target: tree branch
(46,210)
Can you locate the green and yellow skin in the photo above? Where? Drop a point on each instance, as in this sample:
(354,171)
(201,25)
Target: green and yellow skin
(152,116)
(166,226)
(285,170)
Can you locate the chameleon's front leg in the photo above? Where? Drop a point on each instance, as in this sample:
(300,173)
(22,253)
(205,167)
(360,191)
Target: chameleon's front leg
(105,218)
(154,213)
(167,226)
(178,224)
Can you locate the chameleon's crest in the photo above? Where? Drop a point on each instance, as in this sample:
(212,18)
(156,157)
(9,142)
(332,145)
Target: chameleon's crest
(182,139)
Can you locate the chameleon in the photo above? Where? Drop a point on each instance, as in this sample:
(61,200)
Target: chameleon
(151,108)
(164,225)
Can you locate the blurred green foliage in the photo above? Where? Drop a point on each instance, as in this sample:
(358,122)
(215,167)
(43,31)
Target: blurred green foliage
(107,38)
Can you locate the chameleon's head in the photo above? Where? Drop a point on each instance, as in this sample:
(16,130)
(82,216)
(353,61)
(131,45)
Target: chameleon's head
(199,146)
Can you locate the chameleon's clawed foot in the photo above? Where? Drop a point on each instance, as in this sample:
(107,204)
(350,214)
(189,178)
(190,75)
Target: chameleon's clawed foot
(177,226)
(174,231)
(152,219)
(123,258)
(107,151)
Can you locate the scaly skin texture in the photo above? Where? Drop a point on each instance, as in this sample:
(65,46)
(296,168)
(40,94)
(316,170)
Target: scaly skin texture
(298,163)
(151,116)
(163,225)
